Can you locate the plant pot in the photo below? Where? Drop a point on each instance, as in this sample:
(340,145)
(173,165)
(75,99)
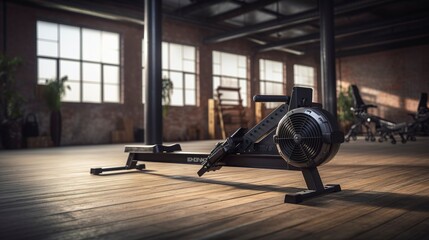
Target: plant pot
(56,125)
(11,134)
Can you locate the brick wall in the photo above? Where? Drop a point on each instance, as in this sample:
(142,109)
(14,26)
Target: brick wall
(87,123)
(83,123)
(392,80)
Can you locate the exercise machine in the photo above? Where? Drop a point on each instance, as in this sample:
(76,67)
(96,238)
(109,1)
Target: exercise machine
(297,135)
(384,128)
(420,123)
(360,113)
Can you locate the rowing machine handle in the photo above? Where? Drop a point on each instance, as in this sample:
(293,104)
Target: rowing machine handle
(271,98)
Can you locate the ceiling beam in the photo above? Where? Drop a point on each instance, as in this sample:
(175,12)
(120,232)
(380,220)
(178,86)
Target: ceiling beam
(359,50)
(245,8)
(346,31)
(196,6)
(90,9)
(292,20)
(402,36)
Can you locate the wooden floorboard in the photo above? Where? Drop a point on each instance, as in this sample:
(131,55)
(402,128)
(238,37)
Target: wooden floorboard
(49,194)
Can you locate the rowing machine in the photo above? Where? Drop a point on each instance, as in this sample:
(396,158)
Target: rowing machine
(297,135)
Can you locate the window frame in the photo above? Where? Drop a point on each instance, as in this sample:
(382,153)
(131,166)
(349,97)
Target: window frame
(58,59)
(240,81)
(314,78)
(263,80)
(167,72)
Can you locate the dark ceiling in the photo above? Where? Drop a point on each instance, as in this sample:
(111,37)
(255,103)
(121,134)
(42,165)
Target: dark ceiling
(293,25)
(361,26)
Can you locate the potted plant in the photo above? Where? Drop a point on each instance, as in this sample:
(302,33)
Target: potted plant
(10,103)
(345,114)
(54,91)
(167,90)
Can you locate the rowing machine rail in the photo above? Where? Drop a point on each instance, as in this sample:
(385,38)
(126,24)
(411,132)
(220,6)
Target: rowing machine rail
(297,135)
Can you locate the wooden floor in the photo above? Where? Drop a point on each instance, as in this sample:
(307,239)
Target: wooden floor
(49,194)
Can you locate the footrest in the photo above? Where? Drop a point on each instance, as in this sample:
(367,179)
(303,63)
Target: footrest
(98,171)
(303,195)
(157,148)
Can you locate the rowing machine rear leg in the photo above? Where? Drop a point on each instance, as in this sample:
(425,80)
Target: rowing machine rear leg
(314,185)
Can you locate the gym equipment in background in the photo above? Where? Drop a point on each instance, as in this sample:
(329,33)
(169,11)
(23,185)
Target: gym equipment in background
(297,135)
(226,112)
(360,112)
(384,128)
(421,117)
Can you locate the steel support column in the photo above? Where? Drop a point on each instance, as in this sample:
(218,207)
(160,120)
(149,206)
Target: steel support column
(327,56)
(4,27)
(152,63)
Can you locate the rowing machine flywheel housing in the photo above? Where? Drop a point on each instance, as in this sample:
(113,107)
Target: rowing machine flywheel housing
(308,137)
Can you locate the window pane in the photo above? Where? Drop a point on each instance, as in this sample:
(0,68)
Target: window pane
(242,73)
(91,45)
(111,93)
(271,78)
(229,65)
(110,51)
(216,57)
(47,31)
(176,57)
(262,69)
(177,98)
(69,42)
(304,75)
(91,92)
(46,48)
(274,71)
(273,88)
(190,97)
(189,53)
(110,41)
(262,89)
(91,72)
(111,56)
(216,69)
(228,82)
(216,83)
(70,69)
(177,79)
(241,61)
(111,74)
(190,81)
(165,56)
(47,69)
(243,91)
(72,94)
(188,66)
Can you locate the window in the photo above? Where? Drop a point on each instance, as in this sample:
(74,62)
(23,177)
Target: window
(89,58)
(304,77)
(271,79)
(230,70)
(179,65)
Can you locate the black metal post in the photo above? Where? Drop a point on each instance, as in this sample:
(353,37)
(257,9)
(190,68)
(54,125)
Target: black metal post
(152,63)
(4,38)
(327,56)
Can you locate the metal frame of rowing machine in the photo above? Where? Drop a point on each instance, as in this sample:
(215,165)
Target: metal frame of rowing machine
(256,149)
